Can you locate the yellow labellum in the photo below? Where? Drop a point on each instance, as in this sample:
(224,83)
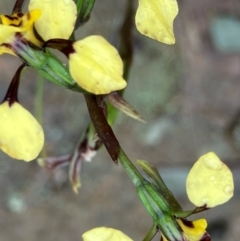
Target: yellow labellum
(209,182)
(5,50)
(6,37)
(57,19)
(196,232)
(154,18)
(96,66)
(105,234)
(21,136)
(17,23)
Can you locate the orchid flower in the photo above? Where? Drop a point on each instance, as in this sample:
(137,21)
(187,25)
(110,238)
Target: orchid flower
(21,136)
(110,234)
(94,64)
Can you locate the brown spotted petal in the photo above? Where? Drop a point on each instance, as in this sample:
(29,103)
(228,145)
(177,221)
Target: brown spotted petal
(194,230)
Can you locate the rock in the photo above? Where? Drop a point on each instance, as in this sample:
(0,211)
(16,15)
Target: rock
(225,34)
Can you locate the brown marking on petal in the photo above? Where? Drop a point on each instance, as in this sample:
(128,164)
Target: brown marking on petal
(18,35)
(16,25)
(145,32)
(11,18)
(9,46)
(17,17)
(20,15)
(187,223)
(28,16)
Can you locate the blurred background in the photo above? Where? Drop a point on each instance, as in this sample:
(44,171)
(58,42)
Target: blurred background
(188,93)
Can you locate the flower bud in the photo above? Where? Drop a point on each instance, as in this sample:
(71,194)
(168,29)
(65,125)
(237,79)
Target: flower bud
(21,136)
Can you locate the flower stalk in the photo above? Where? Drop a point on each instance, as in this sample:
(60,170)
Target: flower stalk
(153,201)
(103,129)
(18,6)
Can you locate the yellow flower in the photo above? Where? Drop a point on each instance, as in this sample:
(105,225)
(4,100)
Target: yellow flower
(21,136)
(96,65)
(15,28)
(154,18)
(105,234)
(209,182)
(52,19)
(185,230)
(194,230)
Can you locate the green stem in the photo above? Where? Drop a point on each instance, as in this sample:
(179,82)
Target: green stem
(108,138)
(18,6)
(130,169)
(154,202)
(48,65)
(146,191)
(103,129)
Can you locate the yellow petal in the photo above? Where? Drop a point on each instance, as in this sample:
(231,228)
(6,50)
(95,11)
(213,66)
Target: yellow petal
(195,231)
(28,21)
(57,20)
(96,66)
(209,182)
(14,20)
(5,50)
(163,238)
(21,136)
(154,18)
(105,234)
(7,37)
(18,23)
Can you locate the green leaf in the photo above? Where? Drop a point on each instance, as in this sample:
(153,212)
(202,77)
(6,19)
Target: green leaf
(154,175)
(84,8)
(116,100)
